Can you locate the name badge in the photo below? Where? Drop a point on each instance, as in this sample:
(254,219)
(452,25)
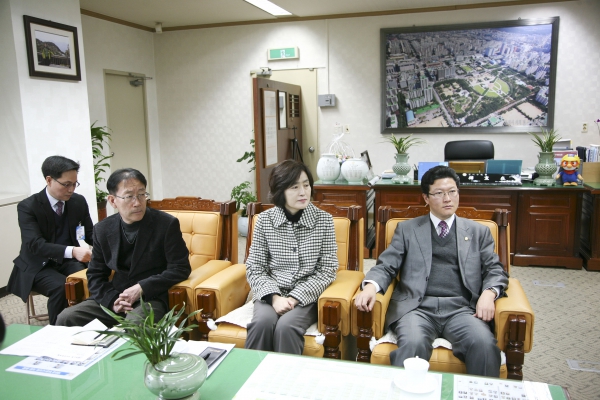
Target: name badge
(80,233)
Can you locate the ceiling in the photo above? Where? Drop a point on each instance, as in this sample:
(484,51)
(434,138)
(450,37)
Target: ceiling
(177,14)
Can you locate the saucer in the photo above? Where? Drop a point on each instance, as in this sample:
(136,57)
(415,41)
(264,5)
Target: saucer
(430,384)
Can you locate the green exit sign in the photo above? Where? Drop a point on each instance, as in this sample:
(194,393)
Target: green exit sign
(284,53)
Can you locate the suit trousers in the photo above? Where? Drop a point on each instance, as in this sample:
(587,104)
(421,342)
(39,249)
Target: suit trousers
(452,319)
(270,331)
(50,282)
(86,311)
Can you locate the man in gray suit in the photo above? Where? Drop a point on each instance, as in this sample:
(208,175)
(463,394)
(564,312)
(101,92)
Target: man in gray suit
(142,246)
(449,280)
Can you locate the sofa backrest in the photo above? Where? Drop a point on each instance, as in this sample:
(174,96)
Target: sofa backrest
(209,228)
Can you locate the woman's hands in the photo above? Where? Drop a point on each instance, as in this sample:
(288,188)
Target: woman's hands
(283,304)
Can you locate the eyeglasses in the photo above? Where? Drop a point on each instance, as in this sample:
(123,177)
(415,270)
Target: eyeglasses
(68,185)
(440,195)
(130,199)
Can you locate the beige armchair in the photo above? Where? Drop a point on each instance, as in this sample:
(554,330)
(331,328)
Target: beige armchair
(228,290)
(514,317)
(209,229)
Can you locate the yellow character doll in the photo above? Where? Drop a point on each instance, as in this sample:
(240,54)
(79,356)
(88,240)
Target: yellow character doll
(568,172)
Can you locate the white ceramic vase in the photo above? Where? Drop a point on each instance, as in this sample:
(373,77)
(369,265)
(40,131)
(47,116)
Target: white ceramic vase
(354,170)
(328,168)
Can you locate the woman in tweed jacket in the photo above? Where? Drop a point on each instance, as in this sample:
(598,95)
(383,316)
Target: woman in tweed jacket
(293,258)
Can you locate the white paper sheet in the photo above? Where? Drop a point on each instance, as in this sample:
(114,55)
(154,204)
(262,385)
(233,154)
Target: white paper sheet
(55,342)
(281,377)
(475,387)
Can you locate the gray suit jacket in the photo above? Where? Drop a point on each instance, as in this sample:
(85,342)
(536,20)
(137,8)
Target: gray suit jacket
(409,255)
(160,259)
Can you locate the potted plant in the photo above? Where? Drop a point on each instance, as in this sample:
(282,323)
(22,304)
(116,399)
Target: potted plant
(168,375)
(546,166)
(242,194)
(100,137)
(402,144)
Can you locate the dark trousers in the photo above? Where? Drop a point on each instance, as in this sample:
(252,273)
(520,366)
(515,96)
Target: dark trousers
(270,331)
(50,282)
(451,318)
(88,310)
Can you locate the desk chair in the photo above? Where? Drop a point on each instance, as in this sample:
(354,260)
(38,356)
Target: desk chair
(474,150)
(228,290)
(209,229)
(514,317)
(30,308)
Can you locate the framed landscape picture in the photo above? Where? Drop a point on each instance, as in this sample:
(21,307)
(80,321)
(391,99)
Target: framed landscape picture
(491,77)
(52,49)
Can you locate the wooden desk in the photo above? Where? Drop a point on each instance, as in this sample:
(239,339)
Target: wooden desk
(590,227)
(544,221)
(110,379)
(346,195)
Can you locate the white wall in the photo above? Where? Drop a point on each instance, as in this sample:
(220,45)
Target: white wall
(13,156)
(204,91)
(112,46)
(55,114)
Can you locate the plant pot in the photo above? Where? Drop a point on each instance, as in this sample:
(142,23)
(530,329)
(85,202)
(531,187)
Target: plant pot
(546,167)
(101,205)
(179,376)
(401,169)
(243,226)
(328,168)
(355,170)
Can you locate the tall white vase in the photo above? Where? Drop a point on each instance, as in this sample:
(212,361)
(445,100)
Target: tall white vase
(328,168)
(355,170)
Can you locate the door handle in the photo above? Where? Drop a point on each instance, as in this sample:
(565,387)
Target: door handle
(311,149)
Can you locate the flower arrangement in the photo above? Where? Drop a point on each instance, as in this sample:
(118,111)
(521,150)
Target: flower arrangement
(342,157)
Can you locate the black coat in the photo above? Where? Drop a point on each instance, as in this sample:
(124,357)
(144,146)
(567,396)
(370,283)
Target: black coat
(160,259)
(36,220)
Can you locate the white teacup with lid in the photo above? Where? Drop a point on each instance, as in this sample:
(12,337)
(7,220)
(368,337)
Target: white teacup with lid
(415,373)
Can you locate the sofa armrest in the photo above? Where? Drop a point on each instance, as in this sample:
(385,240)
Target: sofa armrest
(341,290)
(220,294)
(516,303)
(76,287)
(184,291)
(377,316)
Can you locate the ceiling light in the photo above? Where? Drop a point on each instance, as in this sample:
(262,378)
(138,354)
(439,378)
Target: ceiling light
(269,7)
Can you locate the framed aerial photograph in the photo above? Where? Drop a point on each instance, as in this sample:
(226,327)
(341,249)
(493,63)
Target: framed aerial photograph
(52,49)
(492,77)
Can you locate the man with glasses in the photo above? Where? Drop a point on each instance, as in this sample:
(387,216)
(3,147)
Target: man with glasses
(144,249)
(449,280)
(52,222)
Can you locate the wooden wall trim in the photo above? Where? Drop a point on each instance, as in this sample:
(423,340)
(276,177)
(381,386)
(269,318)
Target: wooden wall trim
(508,3)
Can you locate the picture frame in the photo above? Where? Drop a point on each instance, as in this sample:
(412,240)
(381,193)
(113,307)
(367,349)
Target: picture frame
(52,49)
(489,77)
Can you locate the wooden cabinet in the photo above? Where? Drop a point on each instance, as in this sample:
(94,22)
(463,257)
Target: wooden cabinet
(590,227)
(349,195)
(544,221)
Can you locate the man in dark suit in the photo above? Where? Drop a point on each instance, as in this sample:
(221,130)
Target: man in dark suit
(450,278)
(142,246)
(51,223)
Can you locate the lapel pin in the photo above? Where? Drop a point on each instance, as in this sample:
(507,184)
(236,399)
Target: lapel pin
(466,238)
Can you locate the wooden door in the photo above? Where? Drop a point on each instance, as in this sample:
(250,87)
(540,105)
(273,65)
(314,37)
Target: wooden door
(277,128)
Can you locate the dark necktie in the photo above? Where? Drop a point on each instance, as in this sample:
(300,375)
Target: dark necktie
(443,229)
(59,208)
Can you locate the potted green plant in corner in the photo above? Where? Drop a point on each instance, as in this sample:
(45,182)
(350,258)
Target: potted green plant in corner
(243,194)
(168,375)
(100,137)
(546,166)
(402,168)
